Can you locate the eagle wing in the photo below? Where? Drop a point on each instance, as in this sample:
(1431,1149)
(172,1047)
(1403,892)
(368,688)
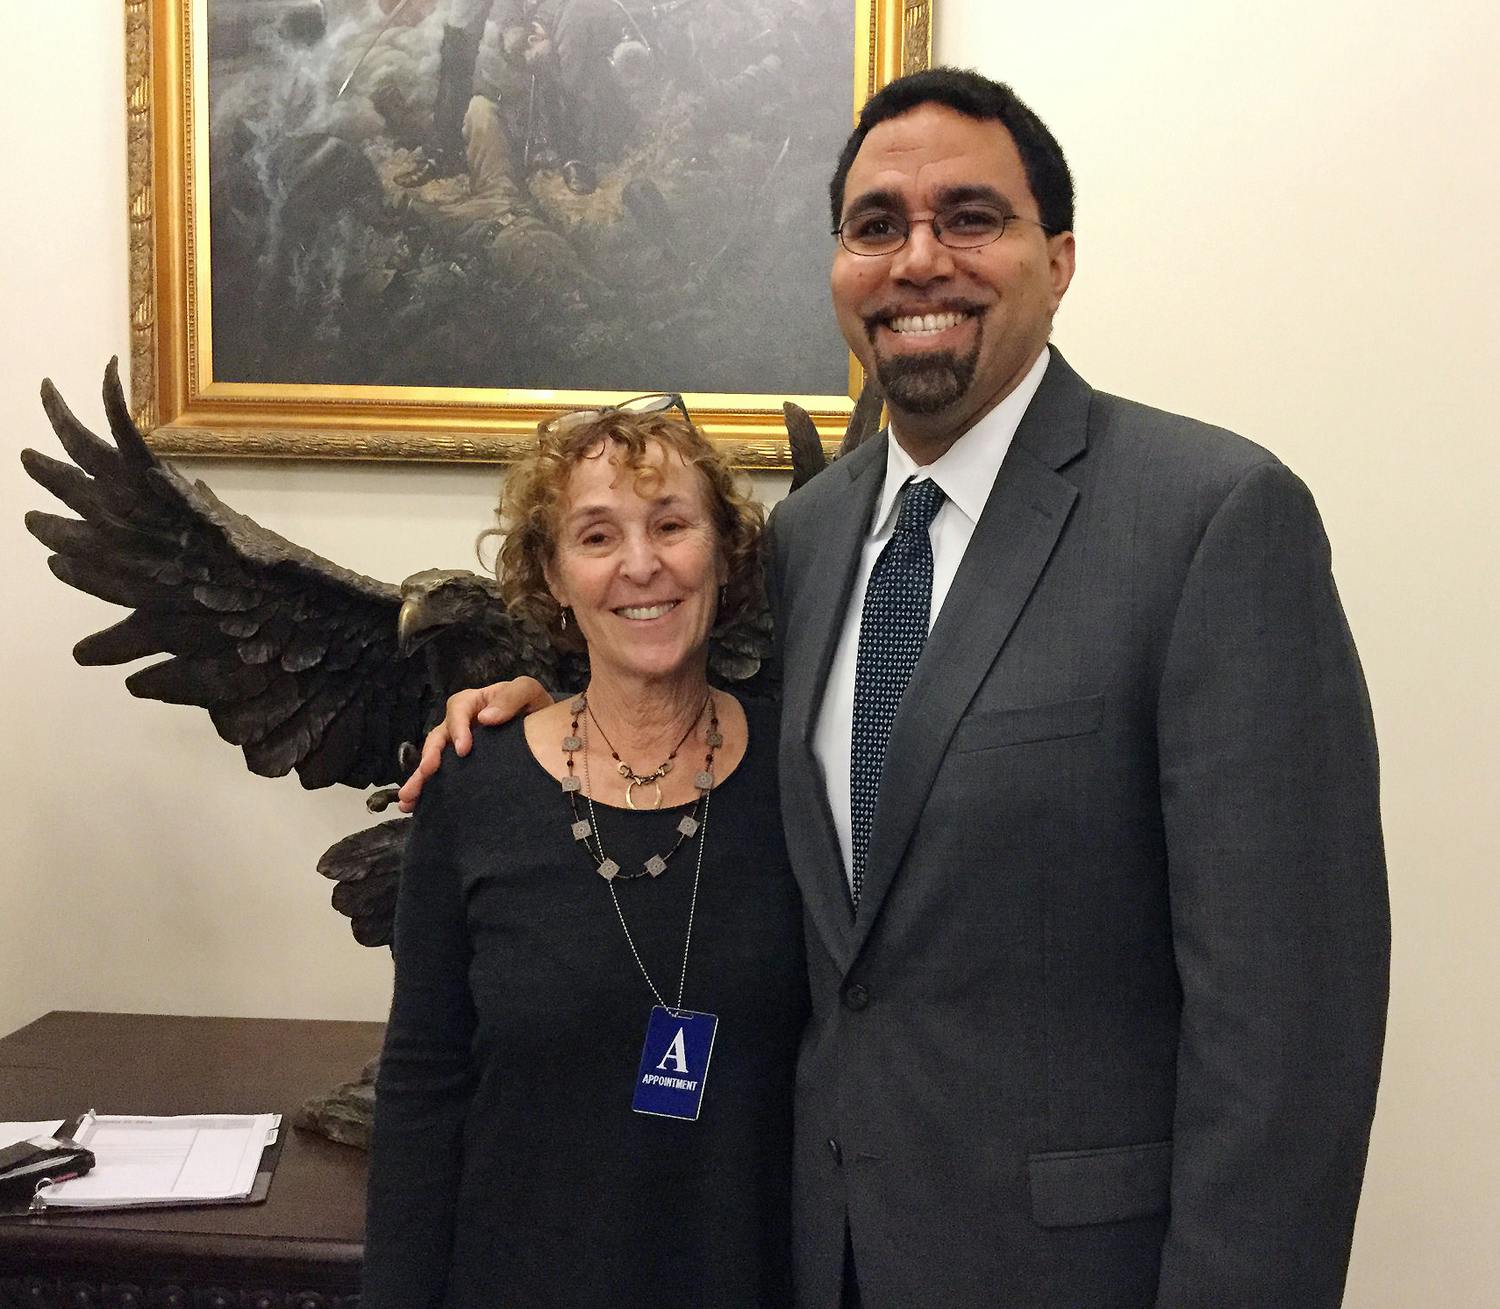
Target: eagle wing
(295,659)
(808,459)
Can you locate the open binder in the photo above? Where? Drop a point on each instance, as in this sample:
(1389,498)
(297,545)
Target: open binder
(153,1162)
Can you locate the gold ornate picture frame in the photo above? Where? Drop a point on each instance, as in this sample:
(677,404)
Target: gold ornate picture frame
(290,297)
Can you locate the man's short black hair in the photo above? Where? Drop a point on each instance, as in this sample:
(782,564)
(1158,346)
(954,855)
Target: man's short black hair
(974,96)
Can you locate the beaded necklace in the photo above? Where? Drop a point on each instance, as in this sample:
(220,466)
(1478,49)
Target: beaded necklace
(586,830)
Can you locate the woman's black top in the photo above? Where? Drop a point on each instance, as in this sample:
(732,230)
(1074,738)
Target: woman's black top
(508,1167)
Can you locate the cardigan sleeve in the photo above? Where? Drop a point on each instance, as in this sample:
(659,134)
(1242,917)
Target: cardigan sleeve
(426,1080)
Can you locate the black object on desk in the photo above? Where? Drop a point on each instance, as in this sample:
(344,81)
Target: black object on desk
(27,1164)
(299,1250)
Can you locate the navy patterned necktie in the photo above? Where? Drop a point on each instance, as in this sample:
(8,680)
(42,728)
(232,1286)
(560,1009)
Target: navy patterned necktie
(892,632)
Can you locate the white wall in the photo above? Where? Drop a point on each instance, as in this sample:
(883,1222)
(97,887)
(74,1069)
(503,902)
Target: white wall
(1286,225)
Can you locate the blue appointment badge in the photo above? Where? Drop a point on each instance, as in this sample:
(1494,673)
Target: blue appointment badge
(674,1063)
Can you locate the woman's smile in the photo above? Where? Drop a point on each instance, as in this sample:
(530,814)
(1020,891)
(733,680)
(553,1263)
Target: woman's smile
(645,613)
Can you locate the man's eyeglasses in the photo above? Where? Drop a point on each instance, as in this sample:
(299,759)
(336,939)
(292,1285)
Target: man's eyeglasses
(653,402)
(959,227)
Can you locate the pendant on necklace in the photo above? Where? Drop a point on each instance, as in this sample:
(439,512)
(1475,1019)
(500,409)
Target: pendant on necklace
(643,781)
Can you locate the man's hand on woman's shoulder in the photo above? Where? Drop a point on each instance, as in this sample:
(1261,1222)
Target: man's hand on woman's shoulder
(489,705)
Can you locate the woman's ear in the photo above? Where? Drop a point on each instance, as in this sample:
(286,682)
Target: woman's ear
(549,574)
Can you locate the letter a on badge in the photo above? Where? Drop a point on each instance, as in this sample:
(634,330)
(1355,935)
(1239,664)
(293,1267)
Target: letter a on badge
(676,1054)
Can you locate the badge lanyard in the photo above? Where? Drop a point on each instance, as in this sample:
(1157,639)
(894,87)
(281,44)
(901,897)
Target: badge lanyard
(679,1042)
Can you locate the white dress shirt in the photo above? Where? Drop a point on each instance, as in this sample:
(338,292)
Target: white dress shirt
(966,473)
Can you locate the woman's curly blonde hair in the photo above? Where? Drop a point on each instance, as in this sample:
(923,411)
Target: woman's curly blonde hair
(531,508)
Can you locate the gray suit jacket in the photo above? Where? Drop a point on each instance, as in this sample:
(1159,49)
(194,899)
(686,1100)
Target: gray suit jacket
(1106,1030)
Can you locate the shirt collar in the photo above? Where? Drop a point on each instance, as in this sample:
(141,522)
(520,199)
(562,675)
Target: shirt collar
(966,471)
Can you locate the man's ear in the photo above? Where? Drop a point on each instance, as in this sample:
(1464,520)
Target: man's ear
(1062,256)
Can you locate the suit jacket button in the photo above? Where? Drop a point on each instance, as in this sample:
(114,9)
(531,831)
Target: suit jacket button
(856,996)
(835,1151)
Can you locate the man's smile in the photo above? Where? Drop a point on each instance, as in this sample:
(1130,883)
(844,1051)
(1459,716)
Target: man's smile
(923,327)
(925,324)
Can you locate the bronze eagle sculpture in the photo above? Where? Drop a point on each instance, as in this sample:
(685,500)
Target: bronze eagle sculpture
(307,666)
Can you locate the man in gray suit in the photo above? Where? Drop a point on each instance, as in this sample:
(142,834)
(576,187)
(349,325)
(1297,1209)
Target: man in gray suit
(1079,782)
(1098,930)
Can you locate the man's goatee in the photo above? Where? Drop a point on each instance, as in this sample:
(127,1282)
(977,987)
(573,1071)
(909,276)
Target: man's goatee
(926,384)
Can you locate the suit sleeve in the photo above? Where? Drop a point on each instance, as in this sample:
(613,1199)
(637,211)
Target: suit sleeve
(425,1081)
(1280,916)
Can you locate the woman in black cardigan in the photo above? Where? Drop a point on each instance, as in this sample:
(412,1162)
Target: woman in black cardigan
(585,1094)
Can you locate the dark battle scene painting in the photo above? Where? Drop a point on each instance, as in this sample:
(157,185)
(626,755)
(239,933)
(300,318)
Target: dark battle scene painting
(579,194)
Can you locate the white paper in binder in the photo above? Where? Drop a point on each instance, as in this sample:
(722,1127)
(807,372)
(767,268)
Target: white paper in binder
(188,1160)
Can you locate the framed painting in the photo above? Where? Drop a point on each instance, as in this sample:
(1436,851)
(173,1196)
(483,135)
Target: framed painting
(410,229)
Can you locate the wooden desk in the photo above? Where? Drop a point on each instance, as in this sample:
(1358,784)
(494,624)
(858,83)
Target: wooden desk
(301,1249)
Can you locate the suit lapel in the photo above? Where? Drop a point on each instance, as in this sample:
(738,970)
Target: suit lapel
(824,597)
(821,605)
(1014,538)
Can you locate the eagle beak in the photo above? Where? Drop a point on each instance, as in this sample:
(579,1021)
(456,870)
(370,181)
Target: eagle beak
(413,626)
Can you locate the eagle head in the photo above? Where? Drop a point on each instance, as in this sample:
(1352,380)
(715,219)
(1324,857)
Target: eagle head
(438,599)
